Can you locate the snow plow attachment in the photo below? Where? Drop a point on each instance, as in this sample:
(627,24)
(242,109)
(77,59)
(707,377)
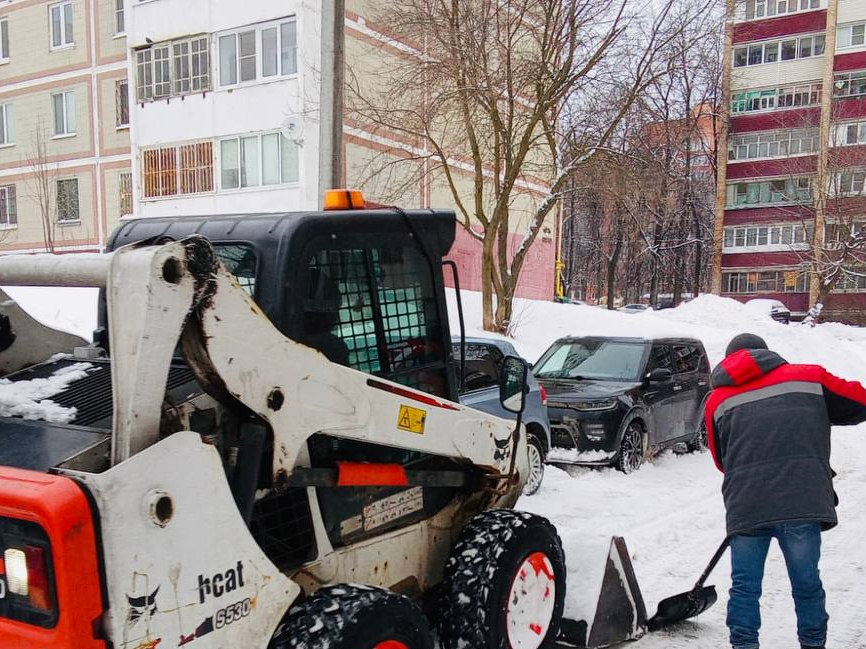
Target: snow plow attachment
(607,607)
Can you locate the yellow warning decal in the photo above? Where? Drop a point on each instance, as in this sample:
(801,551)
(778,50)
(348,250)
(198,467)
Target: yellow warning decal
(411,419)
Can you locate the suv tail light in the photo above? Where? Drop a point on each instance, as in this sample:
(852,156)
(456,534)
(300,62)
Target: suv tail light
(543,395)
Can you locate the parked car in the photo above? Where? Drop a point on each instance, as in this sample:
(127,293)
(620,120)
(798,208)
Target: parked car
(776,309)
(614,401)
(634,308)
(480,390)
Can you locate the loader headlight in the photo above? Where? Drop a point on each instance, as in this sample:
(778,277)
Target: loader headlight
(16,571)
(596,405)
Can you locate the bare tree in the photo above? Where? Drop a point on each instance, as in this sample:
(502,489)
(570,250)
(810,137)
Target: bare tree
(512,96)
(42,185)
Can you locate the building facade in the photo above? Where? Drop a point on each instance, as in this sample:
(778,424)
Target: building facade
(65,163)
(795,163)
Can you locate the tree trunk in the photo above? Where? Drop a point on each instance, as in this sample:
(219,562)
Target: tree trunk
(487,320)
(611,273)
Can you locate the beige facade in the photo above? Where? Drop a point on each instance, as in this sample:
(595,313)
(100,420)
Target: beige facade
(65,140)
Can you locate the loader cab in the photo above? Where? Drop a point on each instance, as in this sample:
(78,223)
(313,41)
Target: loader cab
(364,287)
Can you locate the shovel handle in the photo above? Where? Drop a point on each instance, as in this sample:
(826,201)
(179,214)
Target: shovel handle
(713,562)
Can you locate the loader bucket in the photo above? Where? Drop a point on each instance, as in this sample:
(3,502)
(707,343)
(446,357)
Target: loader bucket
(607,606)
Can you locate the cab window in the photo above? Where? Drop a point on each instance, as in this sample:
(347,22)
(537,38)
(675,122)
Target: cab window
(660,358)
(687,359)
(240,260)
(375,310)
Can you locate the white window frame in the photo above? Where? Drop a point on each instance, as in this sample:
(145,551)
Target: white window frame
(8,207)
(260,162)
(773,97)
(763,9)
(6,131)
(776,45)
(124,178)
(259,30)
(858,177)
(77,218)
(741,148)
(149,66)
(848,78)
(119,18)
(770,237)
(67,131)
(845,36)
(4,38)
(66,40)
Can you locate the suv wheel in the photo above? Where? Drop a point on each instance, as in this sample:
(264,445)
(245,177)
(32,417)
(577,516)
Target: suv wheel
(536,465)
(631,449)
(353,617)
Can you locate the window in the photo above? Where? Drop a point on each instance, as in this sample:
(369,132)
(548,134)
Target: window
(773,144)
(765,281)
(67,201)
(374,309)
(60,17)
(757,9)
(852,182)
(124,182)
(240,260)
(263,51)
(8,207)
(771,52)
(483,363)
(851,36)
(850,84)
(64,113)
(174,68)
(4,40)
(178,170)
(771,237)
(119,22)
(5,124)
(777,98)
(121,102)
(767,192)
(257,160)
(686,358)
(852,280)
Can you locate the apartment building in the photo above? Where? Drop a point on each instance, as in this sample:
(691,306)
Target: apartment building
(65,163)
(225,113)
(796,157)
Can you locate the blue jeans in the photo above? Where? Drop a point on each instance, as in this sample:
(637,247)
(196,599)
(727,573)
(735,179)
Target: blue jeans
(801,547)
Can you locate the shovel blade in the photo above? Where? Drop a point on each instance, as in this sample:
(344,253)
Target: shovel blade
(680,608)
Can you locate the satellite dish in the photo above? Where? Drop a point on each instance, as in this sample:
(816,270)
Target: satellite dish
(293,129)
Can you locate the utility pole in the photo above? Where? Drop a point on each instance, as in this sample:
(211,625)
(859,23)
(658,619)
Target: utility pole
(331,95)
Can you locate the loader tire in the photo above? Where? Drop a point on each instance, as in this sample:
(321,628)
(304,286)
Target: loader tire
(353,617)
(504,585)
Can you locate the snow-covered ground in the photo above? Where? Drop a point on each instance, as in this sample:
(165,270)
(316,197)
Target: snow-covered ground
(671,512)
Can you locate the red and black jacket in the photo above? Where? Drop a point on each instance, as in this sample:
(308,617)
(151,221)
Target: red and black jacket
(768,425)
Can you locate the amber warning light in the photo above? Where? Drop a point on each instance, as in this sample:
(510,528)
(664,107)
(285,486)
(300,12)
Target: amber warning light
(344,199)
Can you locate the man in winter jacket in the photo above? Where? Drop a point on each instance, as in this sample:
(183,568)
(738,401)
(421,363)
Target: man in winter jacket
(769,432)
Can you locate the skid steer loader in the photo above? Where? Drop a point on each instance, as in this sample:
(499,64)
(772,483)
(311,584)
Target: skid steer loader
(263,449)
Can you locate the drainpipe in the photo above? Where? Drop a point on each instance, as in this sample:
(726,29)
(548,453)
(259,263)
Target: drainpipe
(331,96)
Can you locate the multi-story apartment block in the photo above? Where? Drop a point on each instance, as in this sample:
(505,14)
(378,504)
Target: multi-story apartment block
(64,123)
(225,116)
(795,160)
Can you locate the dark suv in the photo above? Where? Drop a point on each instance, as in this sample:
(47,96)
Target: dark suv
(612,401)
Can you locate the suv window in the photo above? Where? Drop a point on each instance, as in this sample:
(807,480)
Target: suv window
(374,309)
(483,364)
(687,358)
(660,358)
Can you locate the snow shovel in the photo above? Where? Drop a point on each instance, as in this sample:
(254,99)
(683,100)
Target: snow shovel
(680,608)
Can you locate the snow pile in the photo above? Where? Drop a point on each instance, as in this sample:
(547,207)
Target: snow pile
(70,309)
(30,399)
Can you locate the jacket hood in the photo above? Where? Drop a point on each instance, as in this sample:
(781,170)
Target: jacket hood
(744,366)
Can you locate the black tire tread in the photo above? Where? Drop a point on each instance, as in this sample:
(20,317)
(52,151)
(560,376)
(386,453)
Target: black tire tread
(472,569)
(325,618)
